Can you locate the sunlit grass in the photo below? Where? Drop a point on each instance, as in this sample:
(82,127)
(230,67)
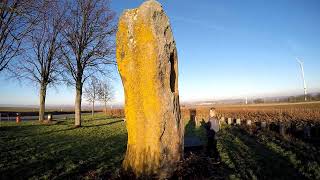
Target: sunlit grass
(34,150)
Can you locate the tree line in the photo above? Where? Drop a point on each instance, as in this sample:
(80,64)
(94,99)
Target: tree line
(97,90)
(50,42)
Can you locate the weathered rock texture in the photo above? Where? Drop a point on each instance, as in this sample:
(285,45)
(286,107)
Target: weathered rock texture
(148,65)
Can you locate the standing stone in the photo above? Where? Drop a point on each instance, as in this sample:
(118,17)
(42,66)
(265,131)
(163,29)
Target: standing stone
(229,121)
(148,65)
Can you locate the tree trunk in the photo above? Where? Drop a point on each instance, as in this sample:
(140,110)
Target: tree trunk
(105,107)
(92,111)
(42,94)
(77,110)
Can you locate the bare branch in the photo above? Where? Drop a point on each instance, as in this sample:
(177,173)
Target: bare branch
(92,89)
(89,28)
(40,63)
(105,92)
(16,19)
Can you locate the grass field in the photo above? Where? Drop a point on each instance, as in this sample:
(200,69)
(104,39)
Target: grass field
(33,150)
(30,150)
(267,155)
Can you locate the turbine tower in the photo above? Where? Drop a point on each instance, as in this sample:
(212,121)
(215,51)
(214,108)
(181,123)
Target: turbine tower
(304,81)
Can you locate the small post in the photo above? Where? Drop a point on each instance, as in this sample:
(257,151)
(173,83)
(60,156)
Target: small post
(193,116)
(49,117)
(307,131)
(18,118)
(222,120)
(249,122)
(263,124)
(229,121)
(282,129)
(238,121)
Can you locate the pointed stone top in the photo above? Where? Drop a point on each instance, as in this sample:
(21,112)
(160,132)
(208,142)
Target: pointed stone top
(147,6)
(151,3)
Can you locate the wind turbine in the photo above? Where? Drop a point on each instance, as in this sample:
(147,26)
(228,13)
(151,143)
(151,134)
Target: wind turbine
(304,81)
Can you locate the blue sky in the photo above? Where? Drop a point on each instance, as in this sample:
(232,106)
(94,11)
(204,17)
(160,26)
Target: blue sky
(226,49)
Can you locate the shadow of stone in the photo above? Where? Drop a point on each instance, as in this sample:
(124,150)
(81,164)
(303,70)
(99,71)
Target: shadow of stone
(200,167)
(194,140)
(190,128)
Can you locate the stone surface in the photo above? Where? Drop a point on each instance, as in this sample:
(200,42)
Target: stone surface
(238,121)
(148,65)
(229,121)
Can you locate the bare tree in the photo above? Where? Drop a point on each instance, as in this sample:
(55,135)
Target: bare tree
(91,92)
(40,64)
(105,93)
(89,44)
(15,21)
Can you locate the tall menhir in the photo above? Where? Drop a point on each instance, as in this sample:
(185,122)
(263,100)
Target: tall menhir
(148,65)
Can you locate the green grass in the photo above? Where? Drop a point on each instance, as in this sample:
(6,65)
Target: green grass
(191,130)
(266,155)
(37,151)
(30,150)
(262,155)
